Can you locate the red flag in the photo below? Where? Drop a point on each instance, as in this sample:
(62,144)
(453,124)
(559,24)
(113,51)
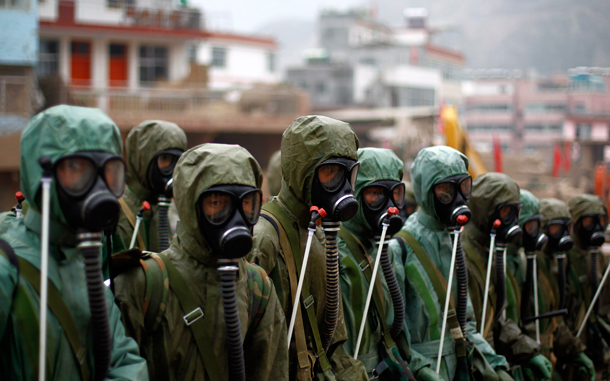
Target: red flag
(567,156)
(556,161)
(497,154)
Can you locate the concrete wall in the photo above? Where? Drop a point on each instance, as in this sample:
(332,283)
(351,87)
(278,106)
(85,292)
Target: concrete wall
(19,35)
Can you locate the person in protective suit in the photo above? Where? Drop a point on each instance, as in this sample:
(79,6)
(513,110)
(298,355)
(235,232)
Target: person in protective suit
(384,343)
(319,167)
(410,205)
(442,186)
(80,149)
(152,149)
(555,335)
(590,220)
(274,173)
(216,189)
(495,206)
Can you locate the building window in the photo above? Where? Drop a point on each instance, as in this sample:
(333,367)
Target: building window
(543,108)
(489,127)
(48,58)
(490,108)
(543,128)
(118,3)
(320,88)
(271,62)
(192,53)
(153,64)
(219,57)
(583,131)
(15,4)
(412,96)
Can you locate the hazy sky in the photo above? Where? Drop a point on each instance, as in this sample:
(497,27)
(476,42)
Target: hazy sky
(249,15)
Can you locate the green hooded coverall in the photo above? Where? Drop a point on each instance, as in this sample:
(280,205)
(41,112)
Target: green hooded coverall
(555,336)
(142,145)
(490,190)
(56,132)
(172,350)
(424,309)
(409,193)
(375,165)
(306,143)
(274,174)
(596,335)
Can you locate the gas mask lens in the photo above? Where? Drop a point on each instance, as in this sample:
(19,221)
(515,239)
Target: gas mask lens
(219,206)
(376,196)
(532,227)
(589,221)
(166,163)
(332,175)
(557,228)
(445,191)
(76,174)
(509,213)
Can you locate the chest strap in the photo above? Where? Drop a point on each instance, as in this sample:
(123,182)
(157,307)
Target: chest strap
(26,315)
(292,254)
(440,286)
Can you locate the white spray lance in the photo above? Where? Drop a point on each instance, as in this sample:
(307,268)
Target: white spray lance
(593,301)
(456,236)
(19,208)
(384,228)
(315,214)
(47,179)
(536,307)
(145,206)
(492,245)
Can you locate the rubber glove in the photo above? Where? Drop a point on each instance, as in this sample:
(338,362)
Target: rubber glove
(503,375)
(541,366)
(584,366)
(427,374)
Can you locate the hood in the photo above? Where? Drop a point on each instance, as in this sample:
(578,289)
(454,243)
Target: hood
(409,193)
(200,168)
(530,206)
(143,143)
(274,173)
(306,143)
(59,131)
(375,164)
(488,191)
(431,165)
(585,204)
(552,209)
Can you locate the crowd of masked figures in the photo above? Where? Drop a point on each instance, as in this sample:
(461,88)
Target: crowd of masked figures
(145,260)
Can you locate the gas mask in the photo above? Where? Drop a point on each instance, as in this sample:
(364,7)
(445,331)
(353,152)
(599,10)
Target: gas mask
(333,188)
(450,197)
(162,170)
(591,228)
(408,208)
(533,238)
(377,198)
(88,186)
(508,230)
(226,216)
(558,232)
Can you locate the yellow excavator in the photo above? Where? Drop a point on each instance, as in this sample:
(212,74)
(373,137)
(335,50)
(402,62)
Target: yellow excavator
(457,138)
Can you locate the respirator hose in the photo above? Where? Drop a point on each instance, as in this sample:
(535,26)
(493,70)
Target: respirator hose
(500,281)
(89,246)
(164,236)
(331,315)
(561,279)
(237,367)
(395,293)
(593,275)
(462,286)
(527,287)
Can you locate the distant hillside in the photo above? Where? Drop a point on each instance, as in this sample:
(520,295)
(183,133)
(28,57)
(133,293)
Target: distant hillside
(545,35)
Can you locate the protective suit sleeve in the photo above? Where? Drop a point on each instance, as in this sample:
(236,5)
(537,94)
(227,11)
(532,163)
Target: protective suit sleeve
(495,360)
(565,344)
(8,274)
(125,361)
(512,343)
(266,351)
(427,374)
(130,288)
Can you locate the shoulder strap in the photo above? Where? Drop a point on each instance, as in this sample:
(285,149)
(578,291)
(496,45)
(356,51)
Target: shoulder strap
(364,263)
(195,318)
(24,306)
(157,290)
(440,286)
(132,220)
(292,253)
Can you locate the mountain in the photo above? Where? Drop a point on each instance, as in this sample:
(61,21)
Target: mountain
(546,35)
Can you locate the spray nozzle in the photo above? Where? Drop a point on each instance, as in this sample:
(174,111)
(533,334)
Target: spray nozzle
(20,197)
(462,219)
(45,163)
(392,211)
(18,208)
(145,207)
(497,223)
(315,214)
